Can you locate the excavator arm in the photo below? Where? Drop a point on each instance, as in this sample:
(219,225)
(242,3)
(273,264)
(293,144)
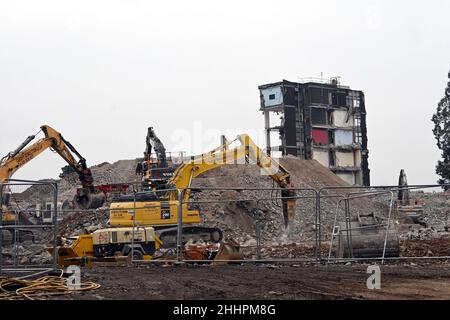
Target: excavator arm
(16,159)
(154,142)
(247,151)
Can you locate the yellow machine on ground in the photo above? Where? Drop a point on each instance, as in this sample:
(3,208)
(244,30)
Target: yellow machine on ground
(161,210)
(156,171)
(16,159)
(104,244)
(159,213)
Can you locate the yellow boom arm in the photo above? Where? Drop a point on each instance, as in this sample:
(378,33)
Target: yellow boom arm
(247,151)
(16,159)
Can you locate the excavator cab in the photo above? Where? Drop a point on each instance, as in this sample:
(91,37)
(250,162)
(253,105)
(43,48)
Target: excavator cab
(139,196)
(157,166)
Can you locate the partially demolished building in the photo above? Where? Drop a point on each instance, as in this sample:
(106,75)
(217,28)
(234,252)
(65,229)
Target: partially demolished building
(319,120)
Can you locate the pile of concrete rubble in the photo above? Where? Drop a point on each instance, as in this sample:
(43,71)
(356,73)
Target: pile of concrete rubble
(238,215)
(122,171)
(237,211)
(26,253)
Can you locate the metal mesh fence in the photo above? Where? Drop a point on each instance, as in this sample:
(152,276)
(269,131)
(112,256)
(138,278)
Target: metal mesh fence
(333,224)
(28,227)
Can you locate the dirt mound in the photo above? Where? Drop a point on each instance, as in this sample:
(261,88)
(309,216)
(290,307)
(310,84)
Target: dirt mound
(238,218)
(436,209)
(104,173)
(425,248)
(311,174)
(36,192)
(234,211)
(83,222)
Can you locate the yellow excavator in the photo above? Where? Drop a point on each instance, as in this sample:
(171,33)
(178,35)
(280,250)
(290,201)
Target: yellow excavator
(158,213)
(161,210)
(16,159)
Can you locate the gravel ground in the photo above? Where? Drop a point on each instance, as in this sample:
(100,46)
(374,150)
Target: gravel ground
(402,281)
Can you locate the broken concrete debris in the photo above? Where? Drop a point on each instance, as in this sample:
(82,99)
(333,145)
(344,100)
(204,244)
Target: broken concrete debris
(239,216)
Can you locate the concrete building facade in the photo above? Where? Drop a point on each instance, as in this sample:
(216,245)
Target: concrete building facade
(319,120)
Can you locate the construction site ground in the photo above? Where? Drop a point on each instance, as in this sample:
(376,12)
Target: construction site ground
(234,212)
(402,280)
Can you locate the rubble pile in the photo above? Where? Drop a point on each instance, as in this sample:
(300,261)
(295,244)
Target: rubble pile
(436,211)
(425,248)
(237,211)
(294,250)
(234,211)
(122,171)
(238,218)
(84,222)
(417,232)
(26,253)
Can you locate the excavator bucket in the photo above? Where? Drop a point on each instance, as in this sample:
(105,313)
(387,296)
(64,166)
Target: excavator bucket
(366,238)
(288,202)
(228,251)
(84,199)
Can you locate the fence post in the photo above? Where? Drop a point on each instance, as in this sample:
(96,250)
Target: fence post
(55,225)
(134,225)
(318,229)
(180,223)
(387,226)
(258,234)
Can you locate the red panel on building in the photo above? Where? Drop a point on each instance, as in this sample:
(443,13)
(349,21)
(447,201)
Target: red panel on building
(320,136)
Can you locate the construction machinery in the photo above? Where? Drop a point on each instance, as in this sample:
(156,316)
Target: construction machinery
(108,244)
(99,195)
(155,172)
(367,237)
(160,210)
(138,243)
(16,159)
(413,208)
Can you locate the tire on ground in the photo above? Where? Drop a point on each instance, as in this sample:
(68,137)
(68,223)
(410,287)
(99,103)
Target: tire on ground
(137,254)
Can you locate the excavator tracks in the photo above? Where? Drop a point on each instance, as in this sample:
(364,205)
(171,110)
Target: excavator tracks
(208,234)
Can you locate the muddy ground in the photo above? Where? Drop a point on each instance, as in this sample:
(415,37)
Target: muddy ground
(406,280)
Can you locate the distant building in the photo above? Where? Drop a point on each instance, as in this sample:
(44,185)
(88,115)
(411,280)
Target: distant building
(319,120)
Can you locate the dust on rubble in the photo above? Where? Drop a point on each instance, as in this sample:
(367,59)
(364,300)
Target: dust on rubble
(236,211)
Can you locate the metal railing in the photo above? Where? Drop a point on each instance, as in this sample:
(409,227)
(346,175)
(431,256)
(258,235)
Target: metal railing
(258,201)
(319,229)
(16,228)
(357,192)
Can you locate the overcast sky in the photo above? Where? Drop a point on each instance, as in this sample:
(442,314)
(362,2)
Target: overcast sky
(101,72)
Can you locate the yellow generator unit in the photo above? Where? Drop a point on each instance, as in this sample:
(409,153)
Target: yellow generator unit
(109,243)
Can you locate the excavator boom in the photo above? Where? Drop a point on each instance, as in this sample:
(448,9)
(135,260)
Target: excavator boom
(16,159)
(150,209)
(247,151)
(155,172)
(153,142)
